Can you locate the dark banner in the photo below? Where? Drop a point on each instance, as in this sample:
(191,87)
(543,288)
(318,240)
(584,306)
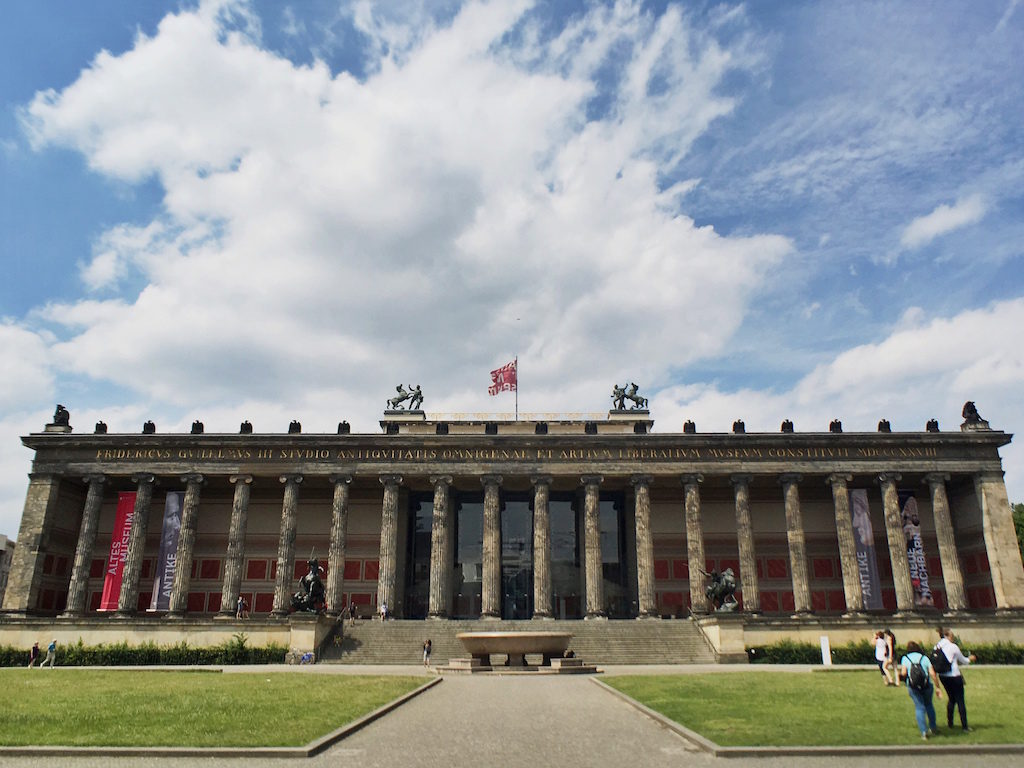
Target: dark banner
(867,564)
(164,579)
(915,550)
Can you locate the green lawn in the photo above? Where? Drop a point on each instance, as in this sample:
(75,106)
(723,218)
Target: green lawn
(86,707)
(826,708)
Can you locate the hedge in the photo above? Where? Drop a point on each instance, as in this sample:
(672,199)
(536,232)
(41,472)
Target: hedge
(233,651)
(863,652)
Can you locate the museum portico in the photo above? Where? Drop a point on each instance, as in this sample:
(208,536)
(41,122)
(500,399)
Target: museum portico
(516,520)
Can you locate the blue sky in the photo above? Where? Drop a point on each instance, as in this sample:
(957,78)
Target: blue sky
(230,210)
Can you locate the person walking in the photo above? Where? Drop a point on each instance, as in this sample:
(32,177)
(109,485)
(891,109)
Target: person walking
(33,655)
(427,648)
(922,684)
(952,680)
(881,649)
(890,655)
(51,655)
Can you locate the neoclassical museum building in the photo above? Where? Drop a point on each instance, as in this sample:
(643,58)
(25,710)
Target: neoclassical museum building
(157,536)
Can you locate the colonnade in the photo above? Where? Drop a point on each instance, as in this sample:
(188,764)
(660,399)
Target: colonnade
(989,487)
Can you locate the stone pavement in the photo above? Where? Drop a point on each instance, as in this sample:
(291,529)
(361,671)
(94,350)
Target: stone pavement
(511,721)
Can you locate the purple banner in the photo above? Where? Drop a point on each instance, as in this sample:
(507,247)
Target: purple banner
(915,551)
(164,579)
(867,564)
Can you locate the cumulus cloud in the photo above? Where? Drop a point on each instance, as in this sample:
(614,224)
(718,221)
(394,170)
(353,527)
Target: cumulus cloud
(460,204)
(921,370)
(943,220)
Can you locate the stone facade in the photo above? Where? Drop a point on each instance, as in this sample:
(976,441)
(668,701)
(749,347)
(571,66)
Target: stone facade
(514,522)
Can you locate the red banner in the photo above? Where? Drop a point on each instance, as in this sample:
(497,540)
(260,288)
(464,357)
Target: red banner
(503,379)
(118,550)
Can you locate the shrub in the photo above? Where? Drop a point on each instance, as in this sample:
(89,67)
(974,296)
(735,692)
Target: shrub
(234,651)
(863,652)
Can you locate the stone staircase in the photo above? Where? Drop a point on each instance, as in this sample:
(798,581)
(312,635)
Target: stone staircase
(398,641)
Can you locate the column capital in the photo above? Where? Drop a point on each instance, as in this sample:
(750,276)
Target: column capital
(541,480)
(639,480)
(143,478)
(741,479)
(96,478)
(486,480)
(996,475)
(936,478)
(694,479)
(838,478)
(889,477)
(591,479)
(193,477)
(290,479)
(445,480)
(790,478)
(340,479)
(390,479)
(247,479)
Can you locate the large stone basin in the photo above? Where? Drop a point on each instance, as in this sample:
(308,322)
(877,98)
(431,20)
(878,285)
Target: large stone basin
(515,645)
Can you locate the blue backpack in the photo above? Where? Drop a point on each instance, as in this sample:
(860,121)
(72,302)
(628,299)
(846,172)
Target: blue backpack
(917,677)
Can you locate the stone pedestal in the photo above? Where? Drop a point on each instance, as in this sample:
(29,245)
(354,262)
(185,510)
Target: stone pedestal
(725,633)
(307,633)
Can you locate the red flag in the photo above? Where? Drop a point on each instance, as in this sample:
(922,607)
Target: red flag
(503,379)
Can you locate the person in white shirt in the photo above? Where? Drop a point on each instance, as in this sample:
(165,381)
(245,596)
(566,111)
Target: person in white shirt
(952,680)
(882,657)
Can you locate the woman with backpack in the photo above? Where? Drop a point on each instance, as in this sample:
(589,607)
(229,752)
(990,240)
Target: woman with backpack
(948,658)
(922,683)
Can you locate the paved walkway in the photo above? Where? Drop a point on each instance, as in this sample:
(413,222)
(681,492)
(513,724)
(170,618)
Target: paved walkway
(512,721)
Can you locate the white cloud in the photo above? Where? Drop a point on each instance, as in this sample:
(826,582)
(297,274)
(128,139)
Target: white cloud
(943,220)
(26,374)
(920,371)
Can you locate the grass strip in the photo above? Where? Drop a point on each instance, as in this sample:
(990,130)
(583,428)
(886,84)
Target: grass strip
(84,707)
(848,708)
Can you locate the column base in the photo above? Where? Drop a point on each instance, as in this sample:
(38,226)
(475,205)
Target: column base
(490,617)
(176,616)
(854,615)
(539,616)
(123,615)
(648,617)
(225,616)
(71,615)
(596,616)
(278,615)
(437,617)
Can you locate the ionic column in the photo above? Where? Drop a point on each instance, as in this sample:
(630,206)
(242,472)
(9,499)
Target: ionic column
(128,600)
(186,541)
(286,546)
(847,545)
(797,543)
(83,551)
(26,575)
(1000,540)
(592,546)
(235,560)
(440,597)
(388,575)
(541,548)
(491,586)
(694,542)
(335,586)
(897,543)
(952,577)
(646,606)
(745,540)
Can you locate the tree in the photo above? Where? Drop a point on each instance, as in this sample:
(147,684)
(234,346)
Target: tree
(1018,523)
